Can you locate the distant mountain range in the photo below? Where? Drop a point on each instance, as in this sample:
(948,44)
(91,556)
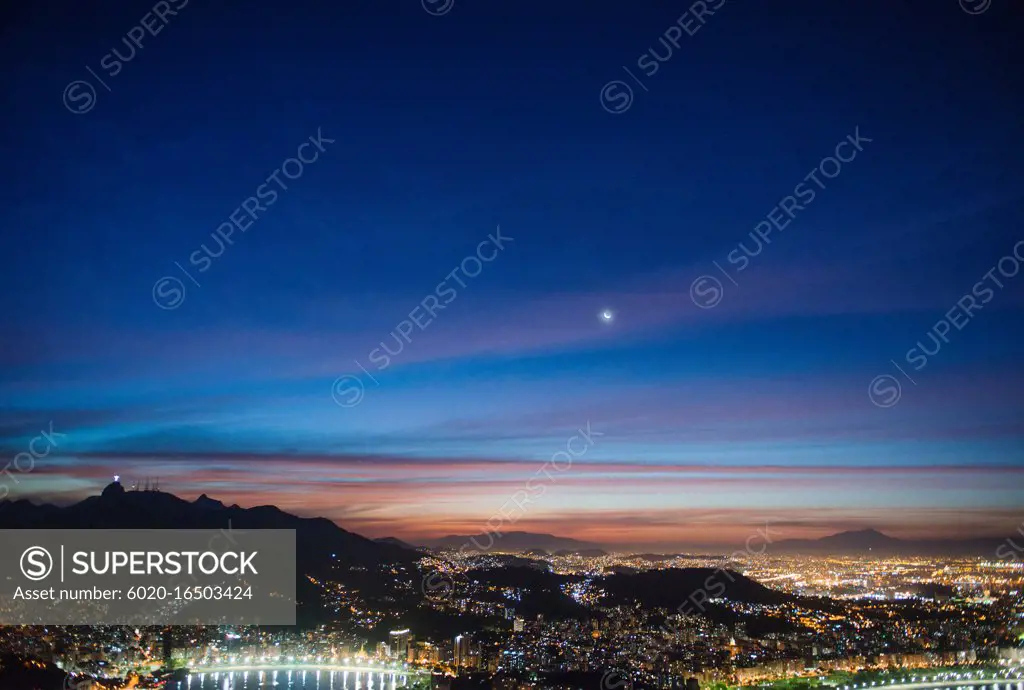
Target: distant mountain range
(396,542)
(853,542)
(516,542)
(872,542)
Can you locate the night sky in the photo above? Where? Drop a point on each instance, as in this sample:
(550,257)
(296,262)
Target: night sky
(404,330)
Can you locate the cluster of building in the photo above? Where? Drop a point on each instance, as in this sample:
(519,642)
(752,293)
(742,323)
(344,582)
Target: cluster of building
(846,615)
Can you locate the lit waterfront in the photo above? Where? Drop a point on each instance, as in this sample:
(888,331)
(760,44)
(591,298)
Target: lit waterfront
(312,678)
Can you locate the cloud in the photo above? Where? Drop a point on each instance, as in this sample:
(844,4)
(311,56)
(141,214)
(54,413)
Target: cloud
(608,502)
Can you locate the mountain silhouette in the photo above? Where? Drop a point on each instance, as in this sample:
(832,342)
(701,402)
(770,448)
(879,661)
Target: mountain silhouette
(518,542)
(322,548)
(668,587)
(116,508)
(396,542)
(872,542)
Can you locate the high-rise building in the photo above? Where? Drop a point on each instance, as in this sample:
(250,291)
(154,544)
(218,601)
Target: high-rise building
(461,655)
(513,660)
(168,645)
(518,625)
(399,643)
(426,653)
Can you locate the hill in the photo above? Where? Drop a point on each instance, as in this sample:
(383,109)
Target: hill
(322,548)
(670,587)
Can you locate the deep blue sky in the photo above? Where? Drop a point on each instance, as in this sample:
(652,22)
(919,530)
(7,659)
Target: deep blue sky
(490,114)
